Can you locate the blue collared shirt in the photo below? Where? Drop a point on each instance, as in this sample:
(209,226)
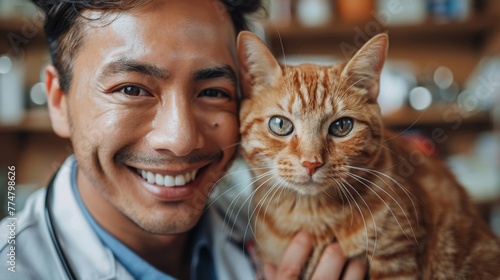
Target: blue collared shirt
(202,264)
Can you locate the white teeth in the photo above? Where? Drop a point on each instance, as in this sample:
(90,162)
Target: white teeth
(168,180)
(180,180)
(159,179)
(150,177)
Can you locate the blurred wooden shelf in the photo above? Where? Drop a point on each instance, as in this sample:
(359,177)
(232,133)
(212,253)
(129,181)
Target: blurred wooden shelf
(458,45)
(21,31)
(36,120)
(20,24)
(338,31)
(437,116)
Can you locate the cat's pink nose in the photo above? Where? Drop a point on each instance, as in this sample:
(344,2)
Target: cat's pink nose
(311,166)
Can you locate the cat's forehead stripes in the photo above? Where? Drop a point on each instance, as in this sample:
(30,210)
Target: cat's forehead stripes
(311,87)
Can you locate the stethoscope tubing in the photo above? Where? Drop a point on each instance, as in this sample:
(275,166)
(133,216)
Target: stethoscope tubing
(50,226)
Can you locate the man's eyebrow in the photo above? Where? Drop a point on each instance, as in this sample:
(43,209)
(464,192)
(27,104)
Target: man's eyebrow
(224,71)
(124,65)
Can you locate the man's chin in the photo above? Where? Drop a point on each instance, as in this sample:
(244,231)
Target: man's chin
(175,221)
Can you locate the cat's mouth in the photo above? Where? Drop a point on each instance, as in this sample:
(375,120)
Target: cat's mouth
(312,185)
(307,187)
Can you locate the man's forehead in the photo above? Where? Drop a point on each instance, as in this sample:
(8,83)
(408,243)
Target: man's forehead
(175,26)
(175,38)
(166,14)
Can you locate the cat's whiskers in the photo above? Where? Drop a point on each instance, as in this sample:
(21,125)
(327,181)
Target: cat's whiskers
(373,171)
(409,127)
(349,199)
(341,192)
(387,167)
(361,179)
(282,190)
(258,206)
(253,181)
(275,189)
(227,147)
(381,179)
(213,200)
(405,190)
(234,202)
(363,218)
(285,81)
(249,217)
(231,146)
(329,195)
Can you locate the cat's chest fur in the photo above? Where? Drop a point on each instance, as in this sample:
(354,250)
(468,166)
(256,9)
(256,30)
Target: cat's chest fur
(281,218)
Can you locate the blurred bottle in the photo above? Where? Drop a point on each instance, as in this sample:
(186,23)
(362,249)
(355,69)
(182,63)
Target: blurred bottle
(460,9)
(438,9)
(355,10)
(445,10)
(314,12)
(447,89)
(38,93)
(11,91)
(280,12)
(403,11)
(16,8)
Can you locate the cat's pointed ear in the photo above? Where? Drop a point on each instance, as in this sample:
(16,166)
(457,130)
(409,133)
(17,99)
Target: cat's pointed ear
(258,67)
(363,70)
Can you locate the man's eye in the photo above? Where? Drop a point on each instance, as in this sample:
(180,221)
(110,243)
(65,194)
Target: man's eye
(214,93)
(134,91)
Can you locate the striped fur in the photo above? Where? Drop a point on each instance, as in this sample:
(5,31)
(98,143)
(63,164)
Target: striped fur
(410,223)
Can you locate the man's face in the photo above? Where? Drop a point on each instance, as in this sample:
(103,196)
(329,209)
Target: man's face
(153,101)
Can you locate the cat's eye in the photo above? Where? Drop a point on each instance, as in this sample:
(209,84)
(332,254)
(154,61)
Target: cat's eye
(280,126)
(341,127)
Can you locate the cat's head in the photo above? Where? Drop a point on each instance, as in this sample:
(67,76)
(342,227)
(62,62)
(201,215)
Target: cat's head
(307,124)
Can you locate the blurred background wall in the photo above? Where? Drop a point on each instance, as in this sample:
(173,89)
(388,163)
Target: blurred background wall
(440,86)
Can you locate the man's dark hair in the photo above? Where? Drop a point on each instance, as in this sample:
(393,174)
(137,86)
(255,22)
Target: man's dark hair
(64,25)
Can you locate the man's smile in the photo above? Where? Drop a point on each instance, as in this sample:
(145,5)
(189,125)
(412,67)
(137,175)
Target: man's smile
(168,180)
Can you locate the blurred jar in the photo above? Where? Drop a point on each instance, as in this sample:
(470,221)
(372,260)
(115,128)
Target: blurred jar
(402,11)
(460,9)
(280,12)
(11,91)
(314,12)
(355,10)
(16,8)
(450,9)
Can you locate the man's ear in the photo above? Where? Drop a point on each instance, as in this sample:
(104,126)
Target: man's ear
(58,108)
(258,67)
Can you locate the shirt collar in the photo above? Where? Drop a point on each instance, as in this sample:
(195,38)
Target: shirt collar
(202,264)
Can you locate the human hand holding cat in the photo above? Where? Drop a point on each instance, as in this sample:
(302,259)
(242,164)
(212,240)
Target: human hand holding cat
(329,267)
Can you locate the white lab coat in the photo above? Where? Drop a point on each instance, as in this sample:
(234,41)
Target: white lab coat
(36,258)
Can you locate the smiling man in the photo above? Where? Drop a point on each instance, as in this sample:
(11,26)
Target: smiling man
(147,92)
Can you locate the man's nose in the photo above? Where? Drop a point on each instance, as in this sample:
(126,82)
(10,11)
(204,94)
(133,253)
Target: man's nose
(176,128)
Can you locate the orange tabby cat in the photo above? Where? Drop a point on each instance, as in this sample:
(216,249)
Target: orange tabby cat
(315,140)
